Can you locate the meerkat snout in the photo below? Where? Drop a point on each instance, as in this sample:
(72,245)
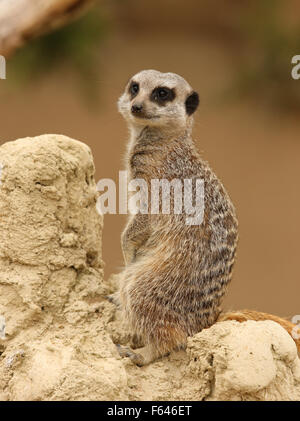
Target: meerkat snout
(136,108)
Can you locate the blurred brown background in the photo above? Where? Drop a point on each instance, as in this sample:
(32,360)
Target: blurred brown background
(237,55)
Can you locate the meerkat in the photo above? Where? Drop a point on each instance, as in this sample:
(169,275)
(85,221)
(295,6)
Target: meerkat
(175,274)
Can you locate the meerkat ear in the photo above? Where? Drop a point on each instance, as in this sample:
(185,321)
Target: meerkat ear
(191,103)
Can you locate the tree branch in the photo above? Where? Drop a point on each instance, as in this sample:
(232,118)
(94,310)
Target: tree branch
(22,20)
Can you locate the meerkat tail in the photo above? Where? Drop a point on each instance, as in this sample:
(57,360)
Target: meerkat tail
(244,315)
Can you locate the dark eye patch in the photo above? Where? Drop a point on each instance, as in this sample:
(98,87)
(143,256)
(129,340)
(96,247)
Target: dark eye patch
(134,88)
(161,95)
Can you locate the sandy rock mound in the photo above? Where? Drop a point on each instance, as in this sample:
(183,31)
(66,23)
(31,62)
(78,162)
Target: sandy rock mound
(52,310)
(50,231)
(245,361)
(229,361)
(56,326)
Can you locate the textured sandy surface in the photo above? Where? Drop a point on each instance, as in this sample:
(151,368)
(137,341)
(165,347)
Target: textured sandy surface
(57,330)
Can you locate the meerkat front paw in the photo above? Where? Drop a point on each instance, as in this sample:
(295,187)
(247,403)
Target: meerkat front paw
(125,351)
(144,356)
(114,298)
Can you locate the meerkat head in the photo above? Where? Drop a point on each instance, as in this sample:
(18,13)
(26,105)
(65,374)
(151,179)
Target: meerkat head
(163,100)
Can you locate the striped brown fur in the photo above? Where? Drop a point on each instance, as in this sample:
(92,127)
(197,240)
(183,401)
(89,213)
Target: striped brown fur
(176,274)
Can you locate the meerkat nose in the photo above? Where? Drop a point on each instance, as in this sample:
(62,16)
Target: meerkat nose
(136,108)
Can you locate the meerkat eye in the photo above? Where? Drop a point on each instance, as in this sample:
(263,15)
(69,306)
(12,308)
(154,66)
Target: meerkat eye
(162,95)
(134,88)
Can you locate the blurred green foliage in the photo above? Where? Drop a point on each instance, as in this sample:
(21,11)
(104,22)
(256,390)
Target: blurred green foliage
(269,43)
(75,46)
(264,44)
